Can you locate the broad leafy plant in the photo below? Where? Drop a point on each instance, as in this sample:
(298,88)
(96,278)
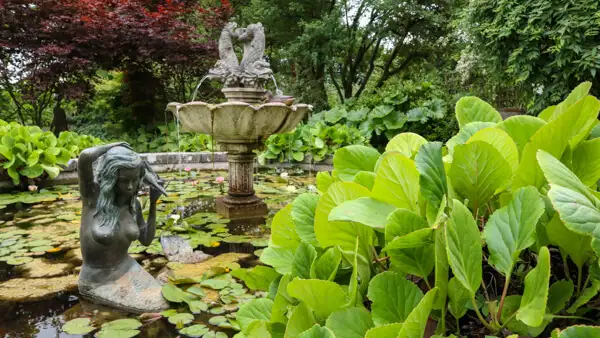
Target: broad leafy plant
(499,223)
(29,152)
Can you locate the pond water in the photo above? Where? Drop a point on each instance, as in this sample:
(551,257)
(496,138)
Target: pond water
(40,256)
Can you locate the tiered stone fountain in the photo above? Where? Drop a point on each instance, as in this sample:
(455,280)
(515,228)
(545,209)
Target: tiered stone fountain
(248,118)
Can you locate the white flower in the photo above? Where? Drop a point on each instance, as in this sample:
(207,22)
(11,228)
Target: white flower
(291,188)
(175,217)
(312,189)
(284,175)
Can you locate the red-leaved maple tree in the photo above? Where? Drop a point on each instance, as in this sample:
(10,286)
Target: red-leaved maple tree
(53,47)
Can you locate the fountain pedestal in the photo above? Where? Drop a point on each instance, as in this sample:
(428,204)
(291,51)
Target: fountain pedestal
(240,201)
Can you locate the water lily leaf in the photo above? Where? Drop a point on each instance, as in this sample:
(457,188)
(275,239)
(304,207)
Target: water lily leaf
(169,313)
(41,248)
(195,331)
(112,333)
(397,181)
(463,245)
(78,326)
(215,284)
(478,172)
(407,144)
(283,229)
(350,160)
(218,310)
(511,229)
(123,324)
(533,303)
(19,260)
(521,128)
(257,278)
(196,290)
(323,297)
(301,319)
(197,306)
(352,322)
(415,323)
(365,210)
(216,320)
(317,331)
(183,318)
(172,293)
(393,297)
(256,310)
(473,109)
(303,214)
(326,266)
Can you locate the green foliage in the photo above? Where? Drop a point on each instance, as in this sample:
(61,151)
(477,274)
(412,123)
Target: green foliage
(495,228)
(31,152)
(164,138)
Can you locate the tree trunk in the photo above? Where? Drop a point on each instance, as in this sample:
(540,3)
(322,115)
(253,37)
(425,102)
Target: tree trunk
(142,88)
(59,121)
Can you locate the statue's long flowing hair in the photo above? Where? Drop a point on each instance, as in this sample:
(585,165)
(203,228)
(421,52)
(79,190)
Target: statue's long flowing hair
(106,175)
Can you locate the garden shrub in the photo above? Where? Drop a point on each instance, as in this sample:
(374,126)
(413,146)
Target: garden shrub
(500,222)
(27,151)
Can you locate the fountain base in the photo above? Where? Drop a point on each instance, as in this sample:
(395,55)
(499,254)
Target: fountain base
(233,207)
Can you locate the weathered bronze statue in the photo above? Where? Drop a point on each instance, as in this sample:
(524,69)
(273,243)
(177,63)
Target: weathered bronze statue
(110,177)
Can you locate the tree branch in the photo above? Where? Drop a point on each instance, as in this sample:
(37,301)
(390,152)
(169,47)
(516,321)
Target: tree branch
(336,84)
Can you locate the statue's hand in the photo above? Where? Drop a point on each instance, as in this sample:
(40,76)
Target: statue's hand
(156,191)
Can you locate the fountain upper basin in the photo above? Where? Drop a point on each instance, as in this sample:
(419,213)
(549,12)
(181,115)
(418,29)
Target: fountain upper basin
(238,122)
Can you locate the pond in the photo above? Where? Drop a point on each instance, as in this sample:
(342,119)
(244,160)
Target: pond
(40,256)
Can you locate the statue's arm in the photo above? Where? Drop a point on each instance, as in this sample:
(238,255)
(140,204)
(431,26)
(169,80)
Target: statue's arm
(147,228)
(85,169)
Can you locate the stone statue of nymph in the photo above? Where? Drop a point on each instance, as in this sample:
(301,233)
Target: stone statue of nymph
(110,177)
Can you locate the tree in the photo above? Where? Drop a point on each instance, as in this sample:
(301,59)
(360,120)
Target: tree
(56,46)
(547,45)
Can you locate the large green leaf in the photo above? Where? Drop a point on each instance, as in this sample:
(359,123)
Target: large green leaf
(350,160)
(535,296)
(397,181)
(303,260)
(575,245)
(463,244)
(414,260)
(511,229)
(554,138)
(414,325)
(353,322)
(323,297)
(324,180)
(301,319)
(465,134)
(441,265)
(317,332)
(257,278)
(282,301)
(326,266)
(365,178)
(33,171)
(576,94)
(281,259)
(586,162)
(478,172)
(407,144)
(303,214)
(393,297)
(256,310)
(365,210)
(473,109)
(576,205)
(585,296)
(459,298)
(283,229)
(432,174)
(500,140)
(385,331)
(579,331)
(559,295)
(521,128)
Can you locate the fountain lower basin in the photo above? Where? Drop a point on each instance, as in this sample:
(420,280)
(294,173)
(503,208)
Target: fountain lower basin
(239,128)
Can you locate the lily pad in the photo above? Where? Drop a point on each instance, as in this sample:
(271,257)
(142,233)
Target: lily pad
(195,331)
(215,284)
(78,326)
(41,248)
(183,318)
(218,310)
(216,320)
(38,243)
(169,313)
(19,260)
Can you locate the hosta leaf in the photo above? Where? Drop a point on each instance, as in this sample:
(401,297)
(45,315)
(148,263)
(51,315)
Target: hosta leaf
(402,228)
(463,244)
(559,295)
(353,322)
(432,174)
(256,310)
(303,260)
(350,160)
(303,214)
(586,162)
(317,331)
(511,229)
(301,319)
(585,296)
(283,229)
(385,331)
(407,144)
(500,140)
(365,210)
(535,296)
(397,181)
(414,325)
(521,128)
(553,138)
(473,109)
(478,172)
(393,297)
(575,245)
(326,266)
(323,297)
